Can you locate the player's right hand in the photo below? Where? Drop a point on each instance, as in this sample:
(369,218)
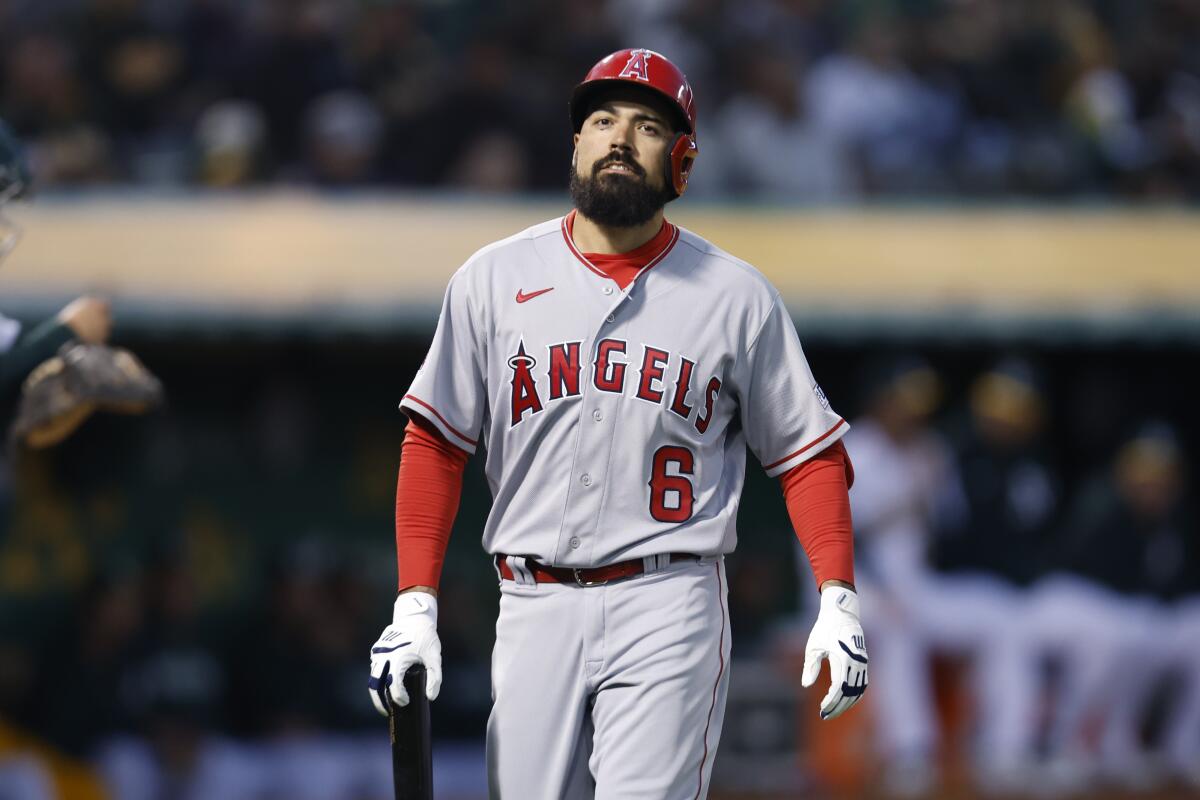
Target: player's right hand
(89,318)
(410,639)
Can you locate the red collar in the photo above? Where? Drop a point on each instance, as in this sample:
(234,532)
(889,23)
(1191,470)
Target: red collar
(624,268)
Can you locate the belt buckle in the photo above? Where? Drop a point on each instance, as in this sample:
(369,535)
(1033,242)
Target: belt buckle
(581,582)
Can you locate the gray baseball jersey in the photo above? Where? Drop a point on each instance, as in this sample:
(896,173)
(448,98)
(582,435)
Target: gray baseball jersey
(616,421)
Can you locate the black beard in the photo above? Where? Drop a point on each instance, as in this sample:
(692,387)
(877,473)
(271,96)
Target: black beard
(616,201)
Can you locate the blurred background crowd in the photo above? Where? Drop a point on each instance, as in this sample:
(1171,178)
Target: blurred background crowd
(805,99)
(186,601)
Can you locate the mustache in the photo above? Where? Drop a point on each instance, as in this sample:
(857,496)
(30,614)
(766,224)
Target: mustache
(617,158)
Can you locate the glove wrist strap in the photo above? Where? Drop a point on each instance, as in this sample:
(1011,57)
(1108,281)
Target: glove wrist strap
(839,599)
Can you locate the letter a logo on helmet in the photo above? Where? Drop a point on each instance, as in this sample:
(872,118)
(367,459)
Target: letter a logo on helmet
(637,67)
(657,74)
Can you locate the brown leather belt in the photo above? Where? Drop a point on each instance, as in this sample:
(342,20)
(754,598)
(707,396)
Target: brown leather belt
(588,576)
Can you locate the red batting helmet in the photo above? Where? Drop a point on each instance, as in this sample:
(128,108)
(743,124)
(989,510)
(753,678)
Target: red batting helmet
(655,72)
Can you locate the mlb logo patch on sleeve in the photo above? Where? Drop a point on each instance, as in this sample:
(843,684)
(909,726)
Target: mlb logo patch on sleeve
(821,398)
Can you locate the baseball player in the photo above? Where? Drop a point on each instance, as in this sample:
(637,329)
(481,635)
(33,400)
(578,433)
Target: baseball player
(615,367)
(21,350)
(86,319)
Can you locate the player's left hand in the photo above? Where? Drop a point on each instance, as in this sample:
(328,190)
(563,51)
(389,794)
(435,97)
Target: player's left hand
(837,636)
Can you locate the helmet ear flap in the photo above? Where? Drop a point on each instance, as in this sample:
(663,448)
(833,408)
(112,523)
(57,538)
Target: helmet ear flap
(683,154)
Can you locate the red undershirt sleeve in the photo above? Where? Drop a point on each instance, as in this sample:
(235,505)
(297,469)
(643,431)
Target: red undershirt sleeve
(428,490)
(817,493)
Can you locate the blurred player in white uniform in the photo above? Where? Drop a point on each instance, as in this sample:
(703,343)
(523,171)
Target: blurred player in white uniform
(902,469)
(1118,618)
(917,497)
(987,552)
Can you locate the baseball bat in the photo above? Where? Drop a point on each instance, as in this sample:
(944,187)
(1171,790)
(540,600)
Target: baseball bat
(412,756)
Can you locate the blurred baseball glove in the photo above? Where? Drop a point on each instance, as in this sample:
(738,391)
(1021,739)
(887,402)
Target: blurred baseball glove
(63,391)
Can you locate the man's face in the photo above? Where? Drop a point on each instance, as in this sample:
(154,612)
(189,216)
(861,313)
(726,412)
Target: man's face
(618,175)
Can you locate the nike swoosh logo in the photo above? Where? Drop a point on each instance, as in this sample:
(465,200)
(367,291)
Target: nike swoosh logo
(376,650)
(522,297)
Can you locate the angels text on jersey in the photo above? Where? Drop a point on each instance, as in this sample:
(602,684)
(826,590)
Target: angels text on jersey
(609,372)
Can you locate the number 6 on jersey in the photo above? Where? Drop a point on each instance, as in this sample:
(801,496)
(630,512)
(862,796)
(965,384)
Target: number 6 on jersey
(677,487)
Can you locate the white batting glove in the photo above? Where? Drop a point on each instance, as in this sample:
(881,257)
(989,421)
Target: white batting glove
(410,639)
(838,636)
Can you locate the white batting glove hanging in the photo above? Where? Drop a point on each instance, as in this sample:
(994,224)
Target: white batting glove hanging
(837,635)
(410,639)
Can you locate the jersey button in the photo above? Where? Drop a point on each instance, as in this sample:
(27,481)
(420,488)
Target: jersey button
(608,290)
(574,542)
(585,479)
(597,415)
